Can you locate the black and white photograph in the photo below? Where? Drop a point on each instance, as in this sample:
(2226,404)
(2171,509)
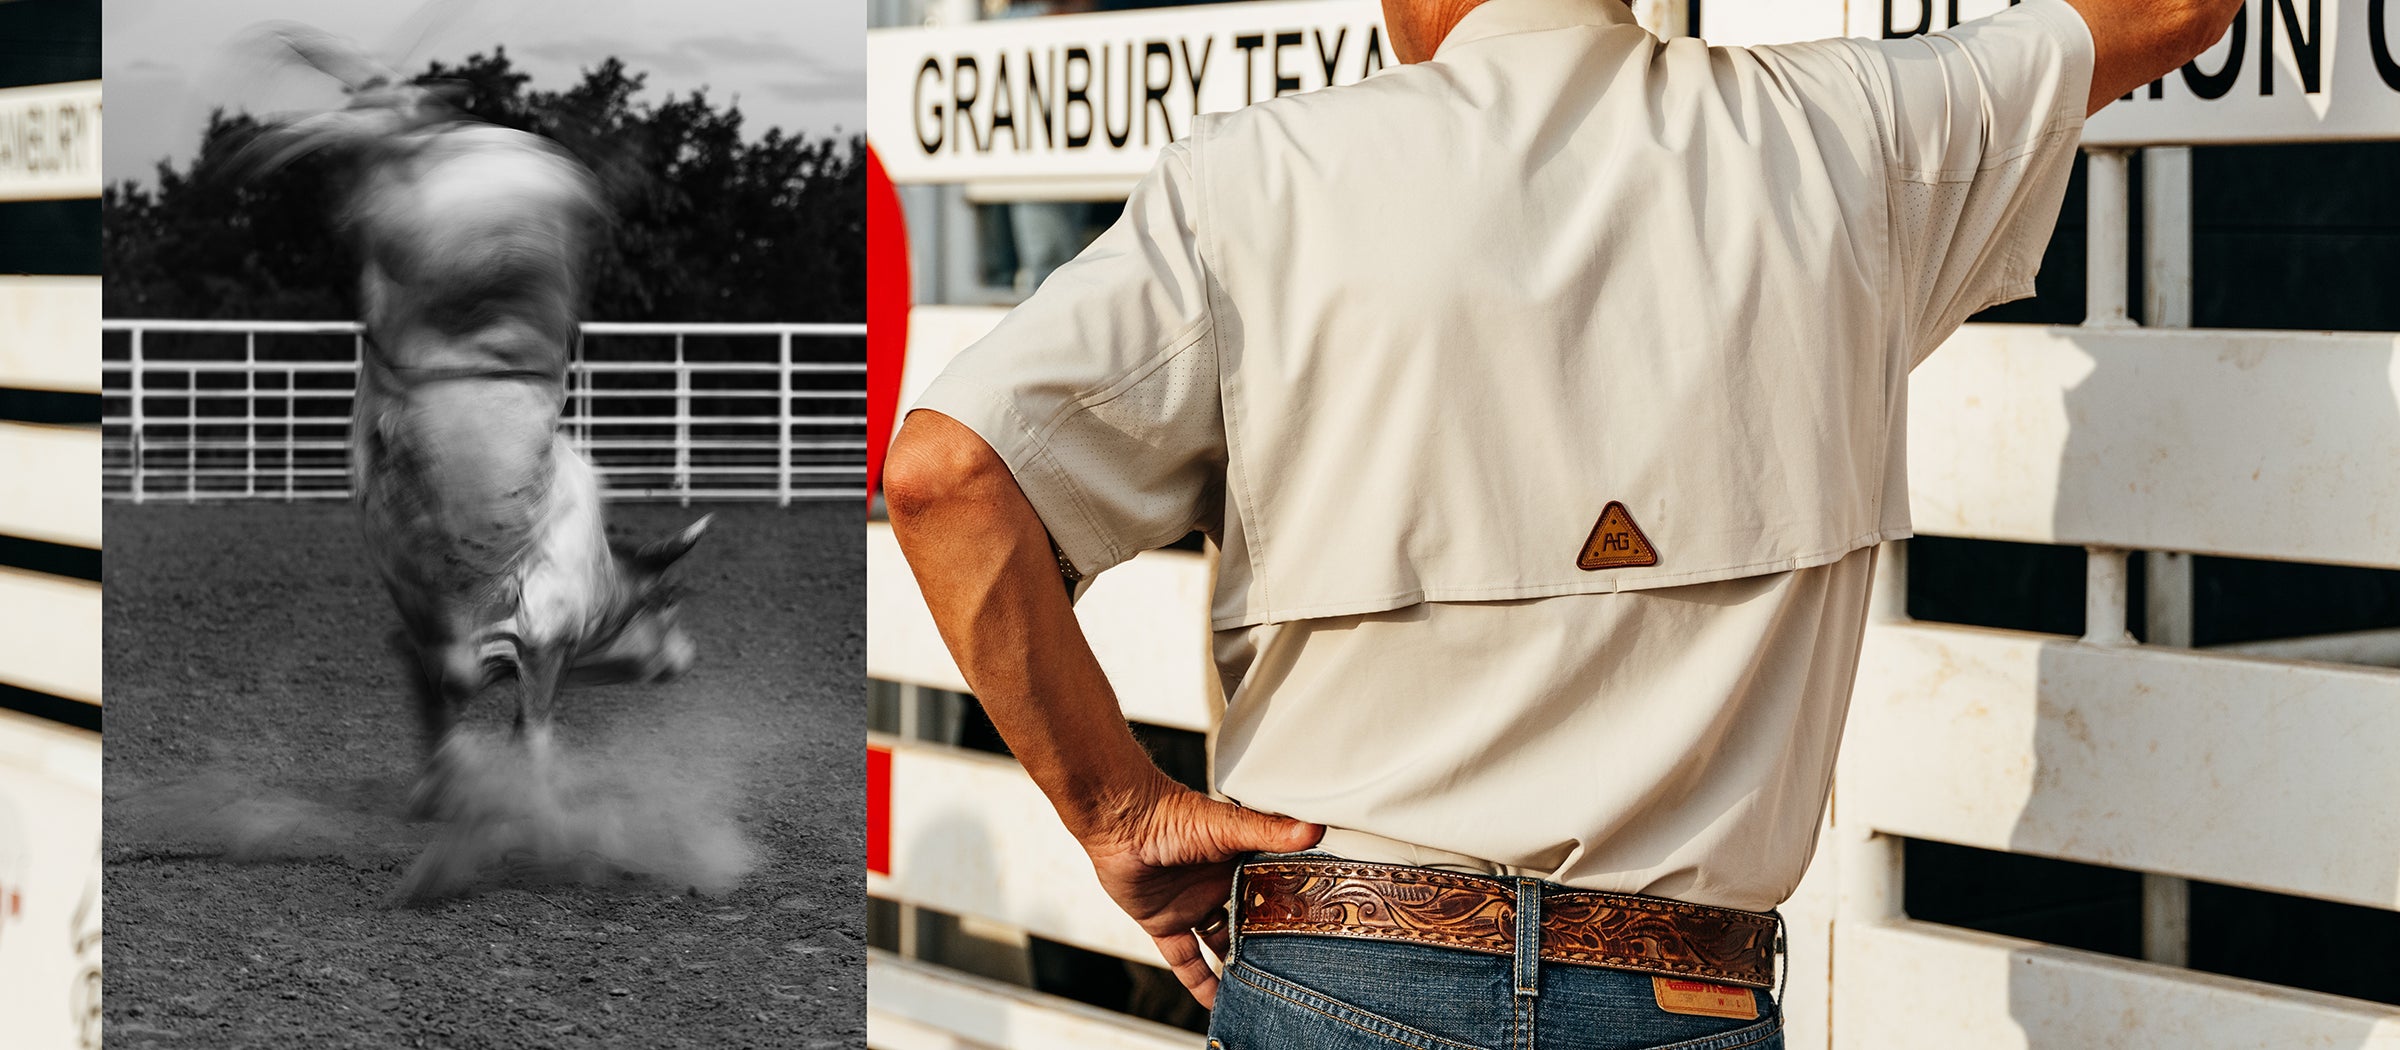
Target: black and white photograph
(482,398)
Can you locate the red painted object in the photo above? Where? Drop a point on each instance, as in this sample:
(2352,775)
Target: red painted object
(879,810)
(887,313)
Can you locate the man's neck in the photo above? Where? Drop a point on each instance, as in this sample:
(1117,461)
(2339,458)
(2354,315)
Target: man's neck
(1418,27)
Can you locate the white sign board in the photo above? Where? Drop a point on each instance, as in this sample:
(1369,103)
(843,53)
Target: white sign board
(2287,70)
(49,885)
(50,142)
(1093,97)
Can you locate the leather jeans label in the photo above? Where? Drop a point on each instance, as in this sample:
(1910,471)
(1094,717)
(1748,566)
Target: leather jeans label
(1705,1000)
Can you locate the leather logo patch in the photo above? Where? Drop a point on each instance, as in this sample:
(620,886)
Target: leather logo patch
(1705,1000)
(1616,542)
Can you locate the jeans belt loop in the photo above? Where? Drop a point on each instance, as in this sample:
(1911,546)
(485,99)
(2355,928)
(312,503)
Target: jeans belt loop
(1233,915)
(1529,936)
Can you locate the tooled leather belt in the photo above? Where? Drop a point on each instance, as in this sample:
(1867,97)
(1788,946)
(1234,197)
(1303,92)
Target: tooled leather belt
(1579,927)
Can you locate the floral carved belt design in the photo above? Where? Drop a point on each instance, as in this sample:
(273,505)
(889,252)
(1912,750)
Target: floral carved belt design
(1619,931)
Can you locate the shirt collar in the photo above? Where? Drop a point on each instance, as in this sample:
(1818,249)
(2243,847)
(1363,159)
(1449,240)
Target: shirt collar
(1502,17)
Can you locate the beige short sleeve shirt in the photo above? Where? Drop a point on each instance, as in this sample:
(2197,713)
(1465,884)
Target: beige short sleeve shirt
(1397,345)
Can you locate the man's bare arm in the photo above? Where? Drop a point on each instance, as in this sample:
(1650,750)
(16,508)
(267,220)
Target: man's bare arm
(984,562)
(2137,41)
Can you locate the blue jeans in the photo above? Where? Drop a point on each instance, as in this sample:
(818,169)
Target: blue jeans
(1298,992)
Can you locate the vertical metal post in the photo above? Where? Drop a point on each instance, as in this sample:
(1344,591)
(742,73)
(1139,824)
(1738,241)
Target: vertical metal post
(783,421)
(191,434)
(683,424)
(912,702)
(2167,237)
(133,374)
(2166,919)
(249,414)
(358,363)
(2104,602)
(2107,232)
(291,434)
(2167,598)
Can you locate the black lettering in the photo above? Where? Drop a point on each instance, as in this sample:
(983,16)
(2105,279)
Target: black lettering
(1108,119)
(1077,95)
(1924,19)
(2215,85)
(1326,59)
(1004,107)
(1374,52)
(933,68)
(2305,50)
(1039,98)
(1248,44)
(1154,92)
(1192,72)
(2381,46)
(2158,88)
(962,100)
(1284,85)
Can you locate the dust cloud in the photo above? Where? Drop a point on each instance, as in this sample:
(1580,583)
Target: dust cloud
(658,809)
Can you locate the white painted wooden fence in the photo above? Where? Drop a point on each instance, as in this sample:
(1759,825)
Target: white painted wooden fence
(2267,765)
(50,955)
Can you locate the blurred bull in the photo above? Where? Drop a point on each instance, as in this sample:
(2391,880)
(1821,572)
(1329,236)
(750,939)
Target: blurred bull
(485,523)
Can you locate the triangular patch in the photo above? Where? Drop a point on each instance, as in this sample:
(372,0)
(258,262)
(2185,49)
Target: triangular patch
(1616,542)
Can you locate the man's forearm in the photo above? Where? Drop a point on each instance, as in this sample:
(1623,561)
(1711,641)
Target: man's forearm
(985,565)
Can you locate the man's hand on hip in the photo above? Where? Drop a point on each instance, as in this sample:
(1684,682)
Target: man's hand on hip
(1168,861)
(990,577)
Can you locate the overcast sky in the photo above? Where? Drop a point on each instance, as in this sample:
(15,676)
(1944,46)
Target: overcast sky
(793,64)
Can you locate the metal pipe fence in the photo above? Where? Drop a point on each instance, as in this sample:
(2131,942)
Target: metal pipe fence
(252,410)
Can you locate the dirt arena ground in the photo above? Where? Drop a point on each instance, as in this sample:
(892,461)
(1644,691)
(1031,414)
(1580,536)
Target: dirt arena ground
(260,749)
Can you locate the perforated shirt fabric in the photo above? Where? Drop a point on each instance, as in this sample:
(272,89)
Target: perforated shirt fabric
(1396,345)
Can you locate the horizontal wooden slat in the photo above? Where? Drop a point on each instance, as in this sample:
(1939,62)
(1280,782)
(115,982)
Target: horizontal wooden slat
(55,142)
(50,333)
(50,483)
(2260,773)
(918,1006)
(1909,985)
(2380,648)
(50,786)
(1147,621)
(2248,444)
(50,635)
(972,836)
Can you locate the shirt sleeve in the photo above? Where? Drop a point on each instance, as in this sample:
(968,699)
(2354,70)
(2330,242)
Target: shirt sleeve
(1980,123)
(1101,391)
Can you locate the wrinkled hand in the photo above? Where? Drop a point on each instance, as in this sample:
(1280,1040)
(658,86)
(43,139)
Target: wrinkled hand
(1169,863)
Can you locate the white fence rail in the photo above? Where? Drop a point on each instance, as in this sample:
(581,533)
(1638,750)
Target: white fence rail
(244,410)
(2263,766)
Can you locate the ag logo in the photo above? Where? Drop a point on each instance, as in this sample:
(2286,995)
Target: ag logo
(1616,542)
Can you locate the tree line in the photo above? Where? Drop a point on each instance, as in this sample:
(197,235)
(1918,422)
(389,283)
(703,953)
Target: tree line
(708,227)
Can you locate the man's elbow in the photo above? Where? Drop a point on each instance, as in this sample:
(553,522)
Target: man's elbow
(936,463)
